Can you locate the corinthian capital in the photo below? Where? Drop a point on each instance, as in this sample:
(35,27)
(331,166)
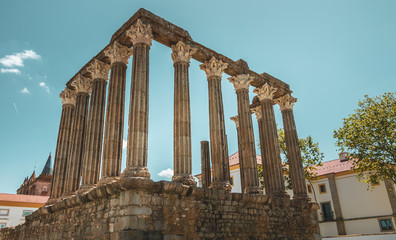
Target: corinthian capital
(236,120)
(241,81)
(68,96)
(118,53)
(182,52)
(257,111)
(140,33)
(266,91)
(82,84)
(99,70)
(286,102)
(213,67)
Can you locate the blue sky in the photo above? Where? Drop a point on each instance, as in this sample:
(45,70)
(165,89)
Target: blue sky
(331,53)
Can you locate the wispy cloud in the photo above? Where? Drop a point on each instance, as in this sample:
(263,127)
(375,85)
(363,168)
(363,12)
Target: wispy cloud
(25,90)
(167,173)
(10,70)
(124,144)
(15,107)
(16,60)
(45,86)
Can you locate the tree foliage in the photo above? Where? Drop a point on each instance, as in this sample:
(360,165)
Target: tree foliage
(369,137)
(310,155)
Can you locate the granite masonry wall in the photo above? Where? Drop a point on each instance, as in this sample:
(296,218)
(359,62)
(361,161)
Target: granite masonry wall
(143,209)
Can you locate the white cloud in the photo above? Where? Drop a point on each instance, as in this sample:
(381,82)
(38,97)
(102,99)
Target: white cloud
(43,85)
(10,70)
(17,58)
(124,144)
(167,173)
(25,90)
(16,109)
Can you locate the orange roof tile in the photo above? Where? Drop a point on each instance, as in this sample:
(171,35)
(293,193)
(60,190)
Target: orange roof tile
(22,198)
(334,166)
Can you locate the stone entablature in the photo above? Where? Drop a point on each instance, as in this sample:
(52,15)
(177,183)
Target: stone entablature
(168,34)
(142,209)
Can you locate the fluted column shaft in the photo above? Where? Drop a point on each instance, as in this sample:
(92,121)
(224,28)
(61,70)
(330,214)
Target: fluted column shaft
(218,140)
(62,150)
(241,161)
(264,162)
(276,185)
(205,165)
(247,142)
(114,126)
(94,134)
(72,181)
(294,155)
(182,161)
(138,114)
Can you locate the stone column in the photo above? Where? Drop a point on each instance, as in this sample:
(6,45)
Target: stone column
(181,55)
(205,165)
(264,163)
(114,125)
(241,162)
(276,185)
(246,136)
(68,97)
(73,171)
(141,37)
(94,133)
(218,141)
(292,147)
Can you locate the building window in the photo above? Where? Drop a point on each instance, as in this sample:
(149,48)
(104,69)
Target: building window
(309,188)
(386,225)
(327,214)
(322,188)
(2,225)
(26,213)
(232,180)
(4,212)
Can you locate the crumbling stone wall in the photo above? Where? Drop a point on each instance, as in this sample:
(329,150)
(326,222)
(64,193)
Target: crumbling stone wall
(142,209)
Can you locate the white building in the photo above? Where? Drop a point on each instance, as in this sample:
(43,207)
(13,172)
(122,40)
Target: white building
(14,208)
(347,206)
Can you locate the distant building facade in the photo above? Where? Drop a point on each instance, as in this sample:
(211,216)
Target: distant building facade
(15,207)
(347,206)
(39,186)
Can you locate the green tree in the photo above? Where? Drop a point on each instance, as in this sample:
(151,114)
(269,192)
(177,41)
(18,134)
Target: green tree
(369,137)
(310,155)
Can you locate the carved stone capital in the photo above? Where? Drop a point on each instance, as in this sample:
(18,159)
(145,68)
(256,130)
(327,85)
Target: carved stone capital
(213,67)
(82,84)
(140,33)
(266,91)
(286,102)
(182,52)
(68,96)
(257,111)
(236,120)
(241,81)
(99,70)
(118,53)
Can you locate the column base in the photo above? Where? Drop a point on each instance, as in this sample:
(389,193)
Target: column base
(85,188)
(254,190)
(301,197)
(279,194)
(141,172)
(225,185)
(51,201)
(186,179)
(107,180)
